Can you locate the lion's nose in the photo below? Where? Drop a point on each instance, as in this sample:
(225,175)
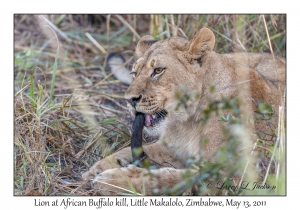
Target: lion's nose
(136,100)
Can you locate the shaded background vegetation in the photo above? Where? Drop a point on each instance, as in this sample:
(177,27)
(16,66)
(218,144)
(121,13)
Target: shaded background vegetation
(68,108)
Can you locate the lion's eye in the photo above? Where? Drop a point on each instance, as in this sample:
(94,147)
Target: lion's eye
(158,70)
(133,74)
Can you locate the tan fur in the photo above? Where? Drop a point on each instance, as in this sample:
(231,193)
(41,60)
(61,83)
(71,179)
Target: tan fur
(196,67)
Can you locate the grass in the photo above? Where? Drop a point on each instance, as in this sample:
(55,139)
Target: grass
(68,110)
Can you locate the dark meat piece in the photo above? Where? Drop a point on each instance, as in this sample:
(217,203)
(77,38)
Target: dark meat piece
(137,137)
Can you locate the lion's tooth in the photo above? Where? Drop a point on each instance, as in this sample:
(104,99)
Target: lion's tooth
(153,116)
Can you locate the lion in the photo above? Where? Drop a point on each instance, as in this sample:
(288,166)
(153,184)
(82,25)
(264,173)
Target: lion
(165,68)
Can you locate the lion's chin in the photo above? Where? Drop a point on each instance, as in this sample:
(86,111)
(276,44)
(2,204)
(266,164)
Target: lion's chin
(156,129)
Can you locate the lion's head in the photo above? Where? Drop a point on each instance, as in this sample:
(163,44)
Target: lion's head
(163,68)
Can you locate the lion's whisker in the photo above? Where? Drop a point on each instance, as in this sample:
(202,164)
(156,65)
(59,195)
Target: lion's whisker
(158,114)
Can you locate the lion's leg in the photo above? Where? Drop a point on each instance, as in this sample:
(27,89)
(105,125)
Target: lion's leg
(160,155)
(121,180)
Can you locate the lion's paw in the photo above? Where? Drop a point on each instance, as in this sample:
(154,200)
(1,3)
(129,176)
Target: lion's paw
(119,180)
(107,163)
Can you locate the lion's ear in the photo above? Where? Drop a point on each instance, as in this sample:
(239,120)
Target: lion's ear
(144,44)
(202,42)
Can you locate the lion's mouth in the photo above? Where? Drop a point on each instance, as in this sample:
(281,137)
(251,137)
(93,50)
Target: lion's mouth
(152,119)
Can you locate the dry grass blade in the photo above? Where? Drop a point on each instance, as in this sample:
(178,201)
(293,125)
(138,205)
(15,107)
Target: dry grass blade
(55,28)
(271,49)
(112,73)
(38,52)
(128,25)
(280,141)
(182,33)
(17,93)
(111,185)
(96,43)
(52,140)
(247,164)
(174,27)
(269,40)
(89,144)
